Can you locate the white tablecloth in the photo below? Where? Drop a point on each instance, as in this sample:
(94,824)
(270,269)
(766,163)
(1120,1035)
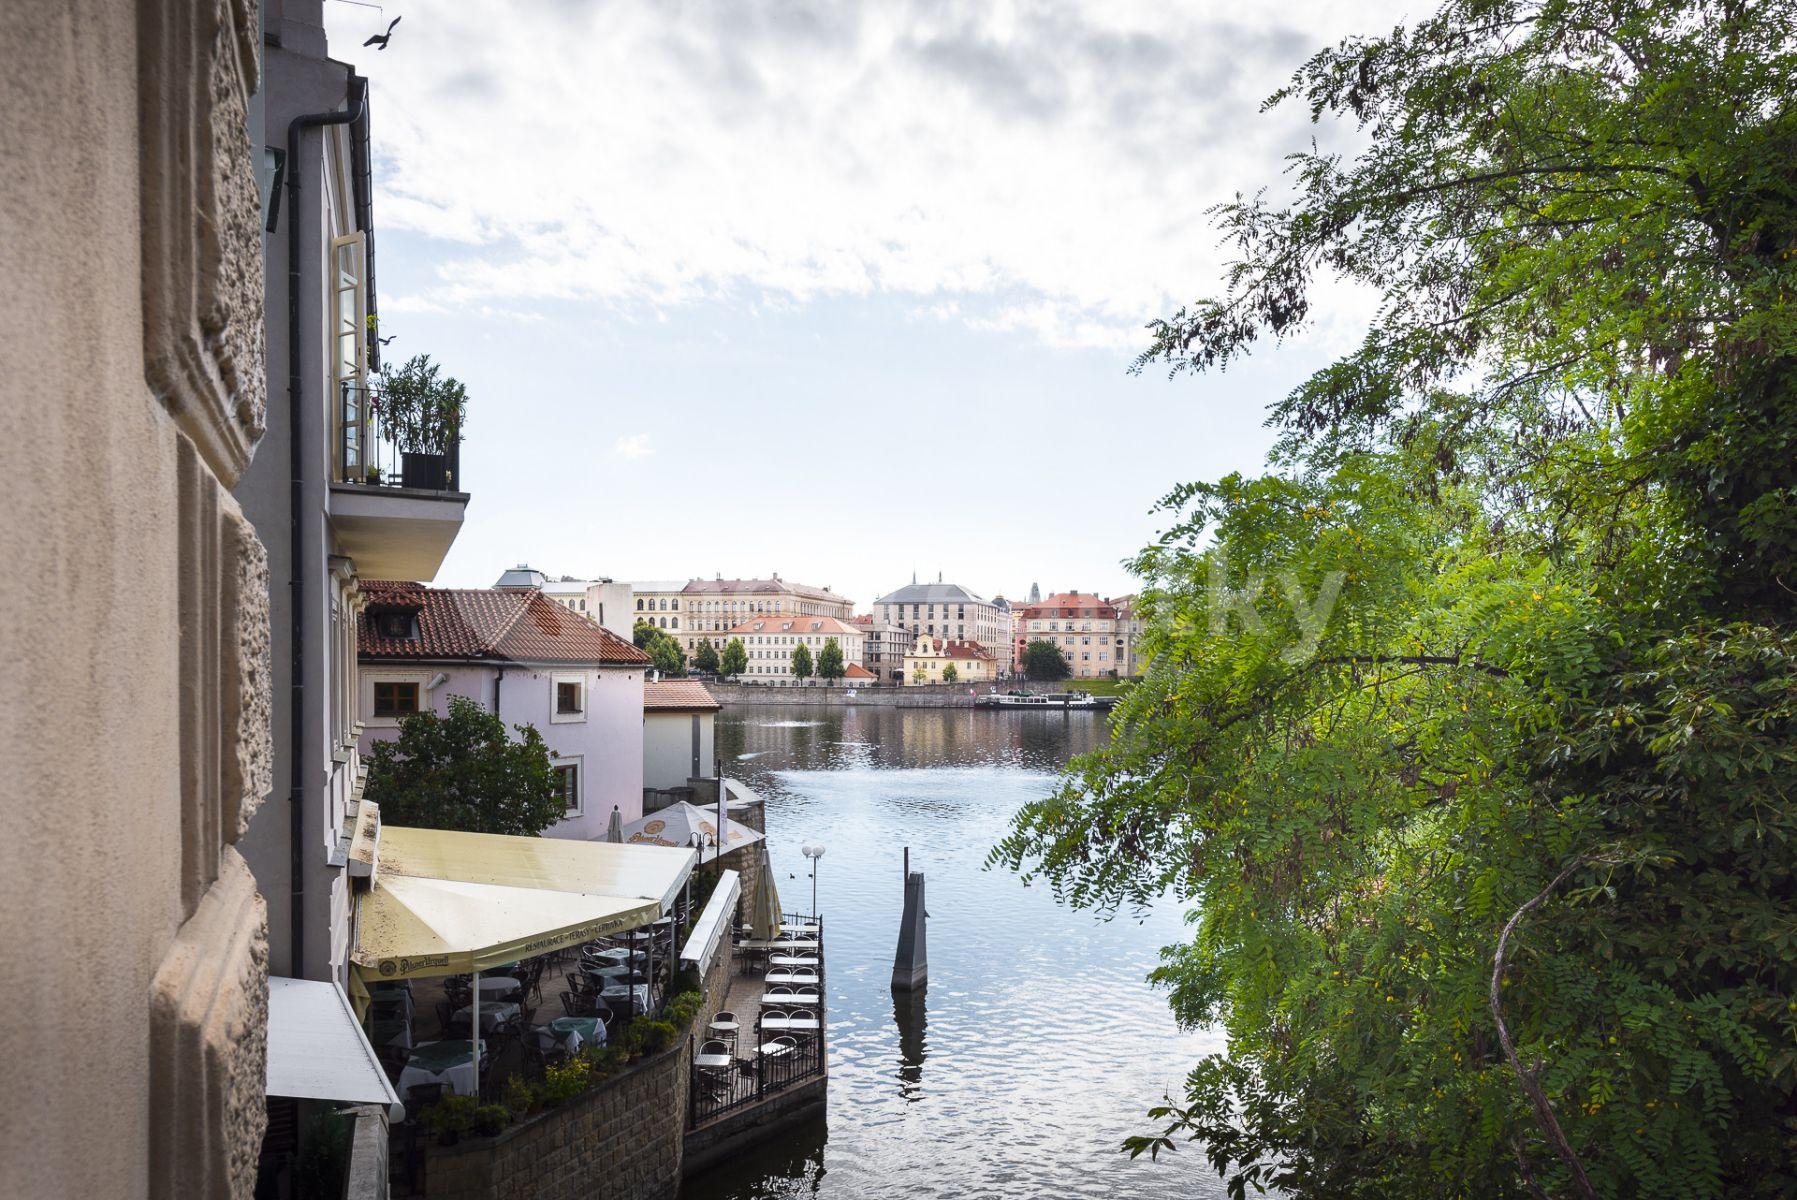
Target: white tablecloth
(458,1077)
(492,1012)
(789,978)
(494,986)
(617,996)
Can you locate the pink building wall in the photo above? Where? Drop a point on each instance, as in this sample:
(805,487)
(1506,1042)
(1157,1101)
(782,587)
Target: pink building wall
(607,742)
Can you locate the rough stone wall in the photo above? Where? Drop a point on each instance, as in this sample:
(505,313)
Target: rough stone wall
(135,599)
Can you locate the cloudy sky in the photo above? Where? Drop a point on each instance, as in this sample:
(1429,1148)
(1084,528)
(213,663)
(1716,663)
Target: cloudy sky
(845,290)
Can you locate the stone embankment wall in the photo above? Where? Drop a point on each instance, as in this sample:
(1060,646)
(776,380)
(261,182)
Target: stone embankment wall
(929,695)
(623,1141)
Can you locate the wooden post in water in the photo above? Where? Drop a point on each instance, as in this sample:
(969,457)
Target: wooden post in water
(911,965)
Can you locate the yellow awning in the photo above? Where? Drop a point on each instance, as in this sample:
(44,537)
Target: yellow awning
(447,903)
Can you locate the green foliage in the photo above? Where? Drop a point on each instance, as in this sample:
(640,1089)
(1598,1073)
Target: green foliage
(949,674)
(1504,635)
(1043,662)
(564,1081)
(521,1099)
(662,648)
(801,661)
(830,664)
(735,659)
(452,1114)
(323,1159)
(462,772)
(705,658)
(420,411)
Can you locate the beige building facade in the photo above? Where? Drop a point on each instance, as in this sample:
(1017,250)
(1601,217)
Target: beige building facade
(946,610)
(770,641)
(695,609)
(883,651)
(929,659)
(131,343)
(1087,629)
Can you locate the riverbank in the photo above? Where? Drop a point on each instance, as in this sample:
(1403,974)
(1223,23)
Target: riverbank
(929,695)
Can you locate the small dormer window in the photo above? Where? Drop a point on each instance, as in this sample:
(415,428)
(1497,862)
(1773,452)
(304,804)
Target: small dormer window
(396,625)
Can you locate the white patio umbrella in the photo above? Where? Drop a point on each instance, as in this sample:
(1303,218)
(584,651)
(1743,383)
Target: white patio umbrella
(614,829)
(677,824)
(766,919)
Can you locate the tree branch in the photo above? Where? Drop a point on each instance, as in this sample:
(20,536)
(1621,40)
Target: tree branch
(1544,1112)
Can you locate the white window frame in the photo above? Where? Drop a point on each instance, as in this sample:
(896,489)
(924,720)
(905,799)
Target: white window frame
(370,678)
(578,763)
(556,715)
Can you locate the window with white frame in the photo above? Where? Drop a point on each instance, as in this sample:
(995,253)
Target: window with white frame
(567,785)
(569,698)
(394,698)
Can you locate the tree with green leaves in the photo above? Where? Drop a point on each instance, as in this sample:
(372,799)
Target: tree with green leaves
(801,661)
(662,648)
(1043,662)
(1469,726)
(705,657)
(419,407)
(462,771)
(949,674)
(830,664)
(735,659)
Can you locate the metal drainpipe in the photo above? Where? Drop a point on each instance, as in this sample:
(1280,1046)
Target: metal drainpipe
(296,793)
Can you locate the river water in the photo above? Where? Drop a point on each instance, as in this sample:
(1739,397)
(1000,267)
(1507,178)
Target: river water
(1037,1047)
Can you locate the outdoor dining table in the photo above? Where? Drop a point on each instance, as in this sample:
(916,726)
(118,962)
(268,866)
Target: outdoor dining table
(774,1049)
(781,944)
(615,954)
(391,1031)
(792,960)
(794,1000)
(713,1062)
(791,976)
(494,986)
(492,1013)
(571,1033)
(450,1063)
(619,993)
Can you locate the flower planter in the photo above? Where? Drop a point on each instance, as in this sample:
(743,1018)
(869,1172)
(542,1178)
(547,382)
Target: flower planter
(429,472)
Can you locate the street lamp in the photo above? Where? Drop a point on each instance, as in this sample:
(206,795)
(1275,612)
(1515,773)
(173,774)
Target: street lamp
(813,853)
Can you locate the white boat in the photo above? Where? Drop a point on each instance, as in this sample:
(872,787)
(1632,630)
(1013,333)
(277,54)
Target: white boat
(1052,701)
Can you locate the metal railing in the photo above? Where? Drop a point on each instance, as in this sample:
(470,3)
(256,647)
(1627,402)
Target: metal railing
(368,456)
(716,1091)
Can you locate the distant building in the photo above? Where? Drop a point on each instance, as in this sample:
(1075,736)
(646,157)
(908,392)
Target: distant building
(607,601)
(770,641)
(1085,628)
(883,653)
(696,609)
(930,656)
(530,660)
(1129,631)
(945,610)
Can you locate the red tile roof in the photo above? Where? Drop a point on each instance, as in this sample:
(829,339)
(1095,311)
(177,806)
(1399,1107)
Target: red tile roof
(678,695)
(489,625)
(857,671)
(1071,604)
(961,650)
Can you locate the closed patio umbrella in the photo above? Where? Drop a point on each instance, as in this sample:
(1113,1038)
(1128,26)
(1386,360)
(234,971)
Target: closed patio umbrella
(766,920)
(614,830)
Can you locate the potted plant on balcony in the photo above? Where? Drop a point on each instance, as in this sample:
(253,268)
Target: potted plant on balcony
(421,410)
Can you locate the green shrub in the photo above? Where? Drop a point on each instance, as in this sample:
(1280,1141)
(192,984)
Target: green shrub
(521,1098)
(565,1081)
(489,1119)
(452,1114)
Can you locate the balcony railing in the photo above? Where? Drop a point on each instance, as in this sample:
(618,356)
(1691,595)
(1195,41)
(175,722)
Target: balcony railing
(368,456)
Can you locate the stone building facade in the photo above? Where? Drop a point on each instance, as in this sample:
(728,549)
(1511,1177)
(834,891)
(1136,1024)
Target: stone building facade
(136,736)
(770,642)
(946,610)
(1090,632)
(695,609)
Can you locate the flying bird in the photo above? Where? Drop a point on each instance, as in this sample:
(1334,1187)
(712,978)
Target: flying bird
(380,40)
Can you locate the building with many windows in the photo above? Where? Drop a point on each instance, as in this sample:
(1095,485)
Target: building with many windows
(929,658)
(1086,628)
(770,641)
(709,608)
(945,610)
(883,653)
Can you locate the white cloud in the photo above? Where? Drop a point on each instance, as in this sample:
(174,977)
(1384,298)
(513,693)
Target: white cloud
(1041,168)
(635,445)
